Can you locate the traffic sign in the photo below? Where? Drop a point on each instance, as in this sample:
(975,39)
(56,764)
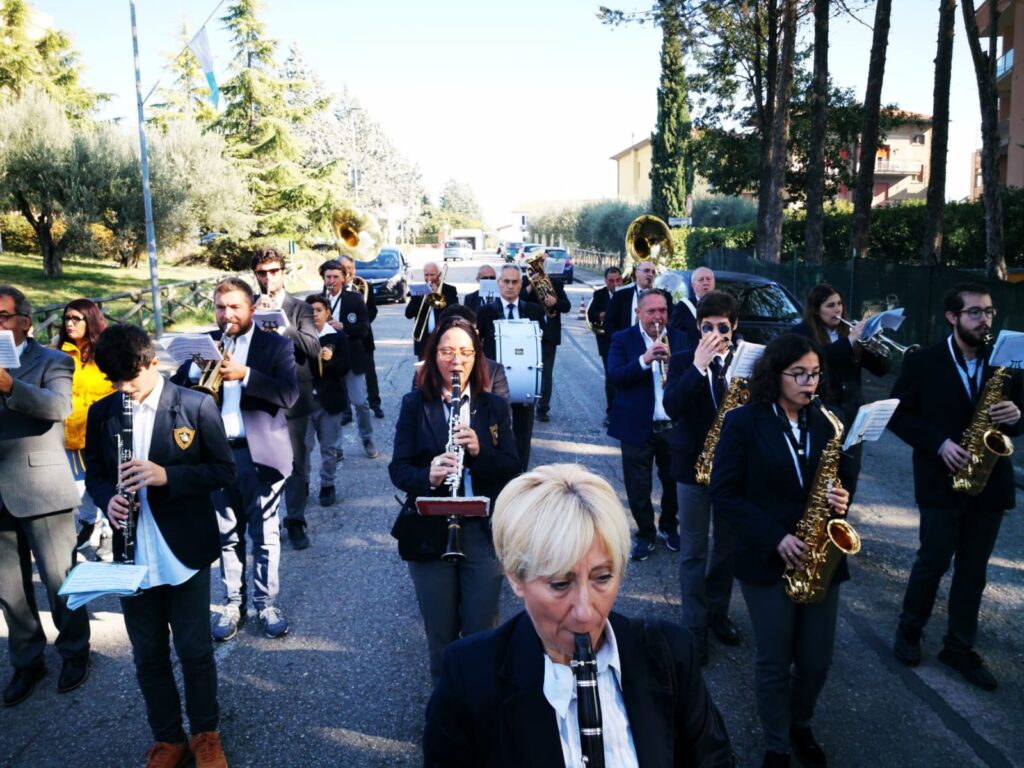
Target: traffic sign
(680,221)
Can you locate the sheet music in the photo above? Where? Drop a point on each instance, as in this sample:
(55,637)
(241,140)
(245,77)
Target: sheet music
(743,360)
(870,422)
(270,319)
(87,581)
(554,266)
(488,289)
(419,289)
(1008,351)
(890,320)
(8,350)
(183,346)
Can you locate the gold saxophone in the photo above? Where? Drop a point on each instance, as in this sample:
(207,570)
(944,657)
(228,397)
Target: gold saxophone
(542,285)
(983,440)
(735,396)
(827,537)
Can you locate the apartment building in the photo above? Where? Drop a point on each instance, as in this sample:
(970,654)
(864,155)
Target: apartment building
(1009,84)
(901,162)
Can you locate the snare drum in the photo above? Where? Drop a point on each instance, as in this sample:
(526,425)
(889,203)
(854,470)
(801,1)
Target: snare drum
(517,346)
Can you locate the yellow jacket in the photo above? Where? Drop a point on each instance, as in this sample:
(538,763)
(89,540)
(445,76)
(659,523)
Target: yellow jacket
(88,386)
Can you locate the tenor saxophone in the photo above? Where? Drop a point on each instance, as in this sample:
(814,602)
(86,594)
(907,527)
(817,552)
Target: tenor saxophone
(827,537)
(735,396)
(983,440)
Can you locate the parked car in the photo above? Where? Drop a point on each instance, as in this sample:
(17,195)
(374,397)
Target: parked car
(210,237)
(387,275)
(766,308)
(560,254)
(527,249)
(511,251)
(457,250)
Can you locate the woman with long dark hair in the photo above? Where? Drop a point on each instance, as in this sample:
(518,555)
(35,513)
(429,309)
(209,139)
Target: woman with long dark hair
(455,598)
(80,328)
(765,467)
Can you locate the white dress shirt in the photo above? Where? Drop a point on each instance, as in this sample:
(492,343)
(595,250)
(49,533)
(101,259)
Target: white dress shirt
(231,391)
(151,549)
(515,310)
(659,393)
(560,691)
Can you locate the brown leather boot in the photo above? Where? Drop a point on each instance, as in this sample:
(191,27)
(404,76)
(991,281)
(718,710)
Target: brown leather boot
(164,754)
(208,750)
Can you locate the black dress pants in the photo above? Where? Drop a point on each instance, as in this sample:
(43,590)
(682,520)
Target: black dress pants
(638,462)
(548,352)
(372,386)
(151,618)
(522,428)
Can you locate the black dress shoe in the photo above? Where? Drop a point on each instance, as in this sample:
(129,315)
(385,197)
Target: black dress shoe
(971,666)
(808,751)
(73,673)
(346,417)
(23,682)
(378,412)
(907,645)
(327,496)
(297,534)
(543,416)
(775,760)
(723,628)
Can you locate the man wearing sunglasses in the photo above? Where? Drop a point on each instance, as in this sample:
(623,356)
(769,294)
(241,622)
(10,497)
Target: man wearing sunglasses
(695,390)
(37,499)
(938,390)
(268,265)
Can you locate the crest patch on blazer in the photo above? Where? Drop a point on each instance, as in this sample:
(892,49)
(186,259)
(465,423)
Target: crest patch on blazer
(494,434)
(183,437)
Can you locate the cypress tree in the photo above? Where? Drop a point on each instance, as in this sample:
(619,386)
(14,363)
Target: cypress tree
(671,165)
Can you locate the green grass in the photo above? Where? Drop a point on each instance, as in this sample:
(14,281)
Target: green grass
(85,278)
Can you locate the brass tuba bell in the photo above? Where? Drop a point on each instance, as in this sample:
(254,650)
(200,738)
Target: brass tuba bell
(356,232)
(649,239)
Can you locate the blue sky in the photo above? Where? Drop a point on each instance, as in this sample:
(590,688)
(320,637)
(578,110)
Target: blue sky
(524,100)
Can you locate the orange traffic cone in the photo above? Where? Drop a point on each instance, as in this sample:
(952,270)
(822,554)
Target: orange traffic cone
(582,314)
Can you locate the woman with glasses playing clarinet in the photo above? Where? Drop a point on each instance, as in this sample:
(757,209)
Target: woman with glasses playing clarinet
(456,596)
(568,682)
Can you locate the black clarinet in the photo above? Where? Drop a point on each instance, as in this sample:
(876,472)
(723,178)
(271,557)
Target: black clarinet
(125,454)
(454,551)
(588,702)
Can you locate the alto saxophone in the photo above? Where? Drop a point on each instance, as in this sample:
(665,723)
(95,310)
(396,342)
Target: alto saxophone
(983,440)
(827,537)
(735,396)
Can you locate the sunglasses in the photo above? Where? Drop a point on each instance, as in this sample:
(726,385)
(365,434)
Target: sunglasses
(265,272)
(723,328)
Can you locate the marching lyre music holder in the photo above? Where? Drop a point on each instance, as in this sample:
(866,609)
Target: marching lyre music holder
(463,506)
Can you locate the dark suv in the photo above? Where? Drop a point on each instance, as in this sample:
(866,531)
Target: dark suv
(387,275)
(766,308)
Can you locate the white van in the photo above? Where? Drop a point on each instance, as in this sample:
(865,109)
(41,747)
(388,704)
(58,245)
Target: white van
(457,250)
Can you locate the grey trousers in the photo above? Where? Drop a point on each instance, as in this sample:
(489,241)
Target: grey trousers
(794,653)
(706,586)
(296,492)
(51,540)
(250,506)
(355,383)
(324,428)
(458,599)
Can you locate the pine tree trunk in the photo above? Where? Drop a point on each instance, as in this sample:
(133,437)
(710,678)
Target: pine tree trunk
(985,74)
(779,157)
(931,245)
(766,74)
(864,190)
(814,233)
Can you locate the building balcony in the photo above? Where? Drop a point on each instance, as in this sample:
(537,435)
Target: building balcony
(898,168)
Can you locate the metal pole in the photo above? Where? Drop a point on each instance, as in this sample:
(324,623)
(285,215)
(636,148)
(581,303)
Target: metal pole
(154,281)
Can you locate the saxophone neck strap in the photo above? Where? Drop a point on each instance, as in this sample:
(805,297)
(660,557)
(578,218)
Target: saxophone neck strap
(799,444)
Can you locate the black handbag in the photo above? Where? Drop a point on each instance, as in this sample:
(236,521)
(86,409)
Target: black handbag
(419,538)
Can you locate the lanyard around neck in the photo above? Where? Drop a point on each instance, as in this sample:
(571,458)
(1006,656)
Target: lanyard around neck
(800,446)
(972,383)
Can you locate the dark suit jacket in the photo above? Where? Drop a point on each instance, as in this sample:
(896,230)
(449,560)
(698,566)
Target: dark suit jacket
(355,317)
(756,486)
(330,385)
(598,305)
(842,383)
(451,296)
(934,406)
(619,314)
(496,311)
(472,300)
(302,332)
(182,508)
(688,402)
(684,320)
(632,413)
(421,434)
(35,478)
(489,709)
(551,326)
(272,389)
(371,313)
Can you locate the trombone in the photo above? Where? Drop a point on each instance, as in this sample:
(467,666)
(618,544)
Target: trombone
(433,299)
(881,344)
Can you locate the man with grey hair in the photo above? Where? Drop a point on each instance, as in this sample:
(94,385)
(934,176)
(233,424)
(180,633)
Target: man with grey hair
(684,316)
(621,312)
(37,500)
(426,322)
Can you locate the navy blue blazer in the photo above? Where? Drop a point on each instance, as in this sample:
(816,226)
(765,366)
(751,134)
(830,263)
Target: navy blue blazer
(329,375)
(489,708)
(421,433)
(755,484)
(620,315)
(633,407)
(934,406)
(688,402)
(182,509)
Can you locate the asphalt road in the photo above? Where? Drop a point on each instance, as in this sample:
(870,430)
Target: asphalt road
(349,685)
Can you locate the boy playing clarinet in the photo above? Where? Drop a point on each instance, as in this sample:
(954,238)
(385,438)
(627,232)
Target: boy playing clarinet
(180,455)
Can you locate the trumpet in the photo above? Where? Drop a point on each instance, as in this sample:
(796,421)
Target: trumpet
(434,300)
(881,344)
(662,338)
(211,379)
(542,285)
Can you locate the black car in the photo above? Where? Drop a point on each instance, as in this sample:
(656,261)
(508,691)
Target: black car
(387,275)
(766,308)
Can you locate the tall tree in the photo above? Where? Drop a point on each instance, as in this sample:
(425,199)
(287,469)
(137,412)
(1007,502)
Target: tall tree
(814,233)
(770,225)
(671,169)
(869,135)
(459,205)
(931,243)
(992,196)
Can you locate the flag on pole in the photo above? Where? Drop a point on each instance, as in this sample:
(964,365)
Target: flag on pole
(200,46)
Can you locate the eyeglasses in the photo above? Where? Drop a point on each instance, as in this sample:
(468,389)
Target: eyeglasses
(803,378)
(265,272)
(5,317)
(73,319)
(723,328)
(448,354)
(975,313)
